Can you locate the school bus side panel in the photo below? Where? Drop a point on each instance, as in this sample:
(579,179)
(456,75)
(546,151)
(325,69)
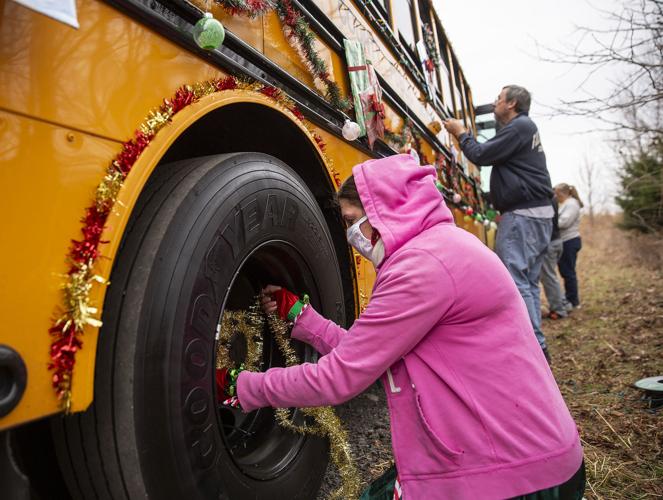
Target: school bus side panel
(101,78)
(46,172)
(67,99)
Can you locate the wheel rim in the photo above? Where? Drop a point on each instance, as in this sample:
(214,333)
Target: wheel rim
(258,446)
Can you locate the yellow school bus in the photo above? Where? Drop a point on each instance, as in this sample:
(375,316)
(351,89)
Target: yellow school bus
(150,182)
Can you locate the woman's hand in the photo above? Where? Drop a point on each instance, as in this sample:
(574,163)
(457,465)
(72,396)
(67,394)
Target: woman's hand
(276,299)
(267,300)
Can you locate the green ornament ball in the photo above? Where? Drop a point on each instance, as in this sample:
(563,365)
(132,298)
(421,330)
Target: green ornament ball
(208,32)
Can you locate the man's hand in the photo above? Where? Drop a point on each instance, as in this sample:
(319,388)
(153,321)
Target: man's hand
(454,127)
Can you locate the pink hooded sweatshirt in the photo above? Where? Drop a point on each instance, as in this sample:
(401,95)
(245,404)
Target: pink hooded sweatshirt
(475,411)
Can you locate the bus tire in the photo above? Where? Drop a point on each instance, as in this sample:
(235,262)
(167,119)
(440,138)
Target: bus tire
(206,233)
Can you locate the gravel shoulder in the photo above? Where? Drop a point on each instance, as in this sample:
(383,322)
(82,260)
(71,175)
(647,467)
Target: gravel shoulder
(366,419)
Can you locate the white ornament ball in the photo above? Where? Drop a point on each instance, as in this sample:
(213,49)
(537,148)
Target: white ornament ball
(486,222)
(351,130)
(493,225)
(457,198)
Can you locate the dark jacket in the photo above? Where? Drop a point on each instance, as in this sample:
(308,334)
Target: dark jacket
(520,178)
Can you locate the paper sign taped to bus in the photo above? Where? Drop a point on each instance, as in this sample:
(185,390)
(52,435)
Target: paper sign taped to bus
(60,10)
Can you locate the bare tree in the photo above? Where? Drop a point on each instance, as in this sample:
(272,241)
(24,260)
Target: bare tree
(626,55)
(629,53)
(592,187)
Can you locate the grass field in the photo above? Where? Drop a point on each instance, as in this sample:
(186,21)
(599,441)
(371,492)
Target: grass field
(598,353)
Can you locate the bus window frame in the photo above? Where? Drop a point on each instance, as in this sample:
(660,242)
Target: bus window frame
(455,88)
(425,14)
(383,10)
(443,47)
(463,100)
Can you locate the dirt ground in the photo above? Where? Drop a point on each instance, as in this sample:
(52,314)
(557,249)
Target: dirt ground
(614,339)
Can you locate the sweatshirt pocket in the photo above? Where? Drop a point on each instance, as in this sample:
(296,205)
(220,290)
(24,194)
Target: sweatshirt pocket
(453,454)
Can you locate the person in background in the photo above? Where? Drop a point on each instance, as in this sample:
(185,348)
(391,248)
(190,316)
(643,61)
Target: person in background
(474,409)
(569,223)
(520,188)
(549,279)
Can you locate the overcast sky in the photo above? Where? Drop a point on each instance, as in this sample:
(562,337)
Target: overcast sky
(495,45)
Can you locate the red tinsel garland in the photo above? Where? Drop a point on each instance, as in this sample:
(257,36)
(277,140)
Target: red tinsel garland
(249,8)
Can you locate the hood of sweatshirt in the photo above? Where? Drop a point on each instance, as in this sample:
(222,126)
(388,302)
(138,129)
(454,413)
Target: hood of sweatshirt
(400,199)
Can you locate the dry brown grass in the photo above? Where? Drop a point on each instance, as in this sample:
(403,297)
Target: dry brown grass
(601,349)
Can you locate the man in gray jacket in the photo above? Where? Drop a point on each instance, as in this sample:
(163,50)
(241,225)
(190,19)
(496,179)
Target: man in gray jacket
(520,188)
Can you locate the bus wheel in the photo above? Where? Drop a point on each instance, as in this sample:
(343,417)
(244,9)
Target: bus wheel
(206,235)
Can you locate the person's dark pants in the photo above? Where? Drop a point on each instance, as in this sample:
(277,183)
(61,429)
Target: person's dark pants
(567,268)
(573,489)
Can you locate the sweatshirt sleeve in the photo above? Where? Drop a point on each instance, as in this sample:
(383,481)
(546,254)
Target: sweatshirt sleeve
(405,306)
(495,150)
(322,334)
(569,212)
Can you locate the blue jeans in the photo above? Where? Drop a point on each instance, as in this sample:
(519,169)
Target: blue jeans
(521,244)
(567,268)
(549,277)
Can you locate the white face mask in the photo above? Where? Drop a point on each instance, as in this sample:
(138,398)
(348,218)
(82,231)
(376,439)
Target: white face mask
(363,245)
(378,253)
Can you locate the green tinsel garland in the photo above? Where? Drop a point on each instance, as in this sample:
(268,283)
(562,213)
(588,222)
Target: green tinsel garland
(429,41)
(303,35)
(295,27)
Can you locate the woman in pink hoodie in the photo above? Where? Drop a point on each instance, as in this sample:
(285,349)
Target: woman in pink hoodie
(475,411)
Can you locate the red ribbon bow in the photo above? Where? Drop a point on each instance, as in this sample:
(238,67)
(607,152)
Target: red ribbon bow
(377,106)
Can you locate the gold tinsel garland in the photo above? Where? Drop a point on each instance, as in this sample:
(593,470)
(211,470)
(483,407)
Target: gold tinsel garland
(249,325)
(325,421)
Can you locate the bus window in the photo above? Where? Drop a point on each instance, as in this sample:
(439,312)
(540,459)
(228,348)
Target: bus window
(404,22)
